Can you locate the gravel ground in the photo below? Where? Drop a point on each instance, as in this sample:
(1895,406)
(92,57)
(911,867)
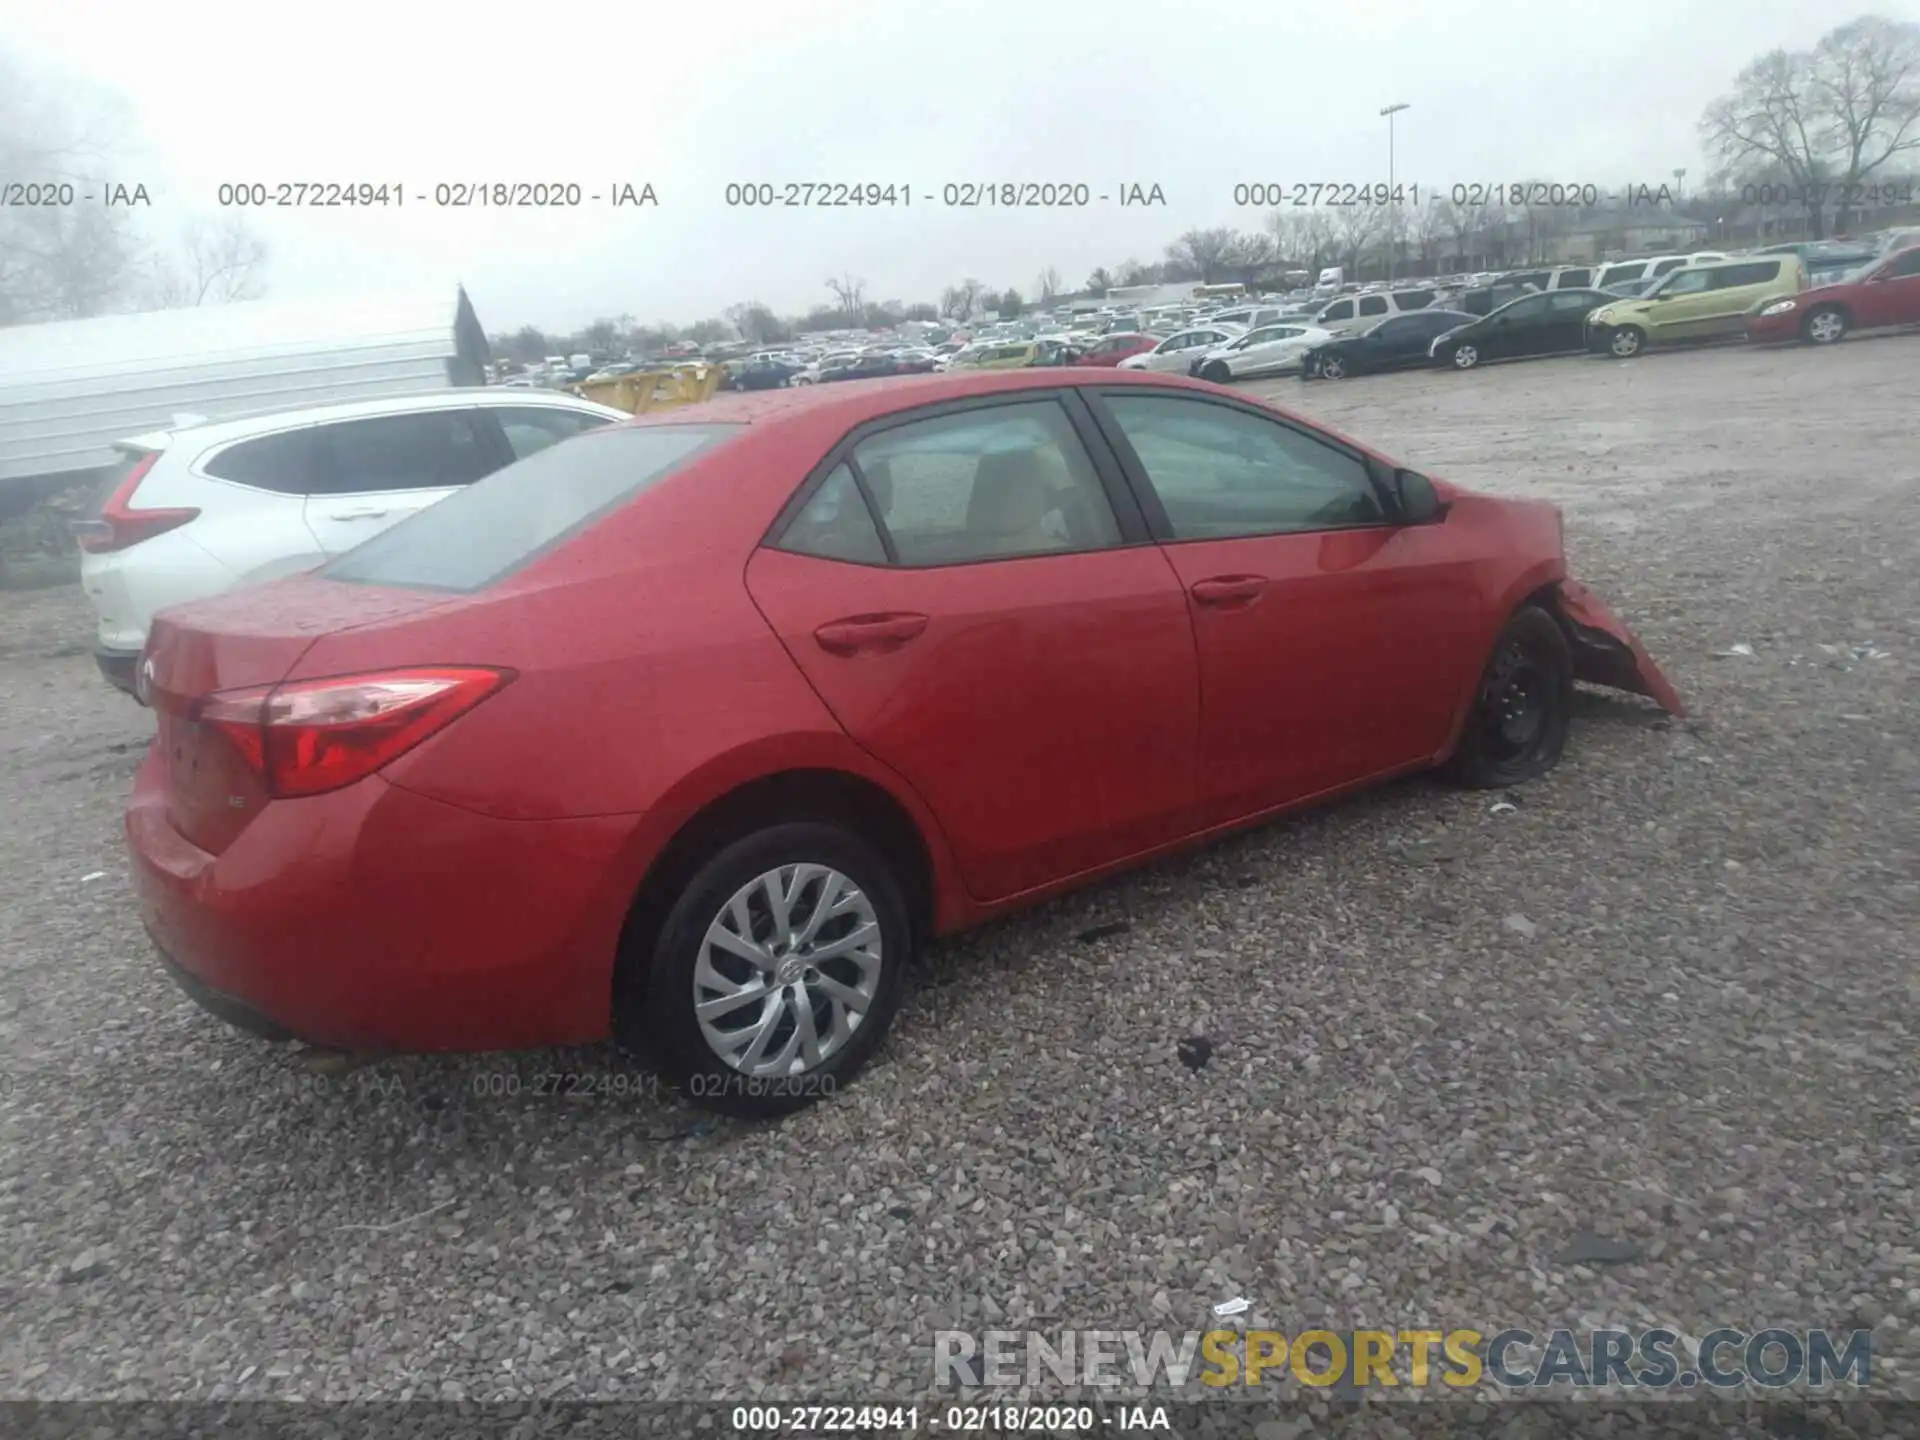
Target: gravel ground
(1669,999)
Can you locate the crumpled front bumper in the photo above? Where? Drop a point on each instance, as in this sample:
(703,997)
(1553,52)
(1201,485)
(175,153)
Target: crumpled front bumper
(1606,652)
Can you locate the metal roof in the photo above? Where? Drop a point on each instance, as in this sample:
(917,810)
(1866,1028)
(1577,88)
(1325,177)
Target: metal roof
(69,389)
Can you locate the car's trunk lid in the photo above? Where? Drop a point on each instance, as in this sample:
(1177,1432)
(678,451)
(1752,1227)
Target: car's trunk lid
(242,642)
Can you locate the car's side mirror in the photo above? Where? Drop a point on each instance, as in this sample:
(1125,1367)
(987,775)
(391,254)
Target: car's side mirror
(1415,499)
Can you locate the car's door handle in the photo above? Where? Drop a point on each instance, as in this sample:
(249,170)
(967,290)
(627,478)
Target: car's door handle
(370,513)
(870,632)
(1229,589)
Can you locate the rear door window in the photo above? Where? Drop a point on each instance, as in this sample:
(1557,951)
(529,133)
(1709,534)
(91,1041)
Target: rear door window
(1373,305)
(534,428)
(430,450)
(1731,277)
(292,462)
(495,526)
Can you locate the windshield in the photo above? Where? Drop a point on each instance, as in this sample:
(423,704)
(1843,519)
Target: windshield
(481,534)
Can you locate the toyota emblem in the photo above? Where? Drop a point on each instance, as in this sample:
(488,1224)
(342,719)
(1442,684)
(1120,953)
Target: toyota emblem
(143,682)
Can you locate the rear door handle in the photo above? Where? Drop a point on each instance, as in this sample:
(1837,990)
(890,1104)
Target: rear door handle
(1223,590)
(870,632)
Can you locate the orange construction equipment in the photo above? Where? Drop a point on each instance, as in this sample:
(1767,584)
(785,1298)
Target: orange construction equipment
(646,390)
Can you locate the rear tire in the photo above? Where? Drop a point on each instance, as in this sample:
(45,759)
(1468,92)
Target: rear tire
(1522,707)
(800,988)
(1826,326)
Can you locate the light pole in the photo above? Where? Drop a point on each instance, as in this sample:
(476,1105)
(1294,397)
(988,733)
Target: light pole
(1393,214)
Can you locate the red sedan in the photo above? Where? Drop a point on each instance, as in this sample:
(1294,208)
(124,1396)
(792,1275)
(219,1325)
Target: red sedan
(1110,350)
(691,731)
(1882,294)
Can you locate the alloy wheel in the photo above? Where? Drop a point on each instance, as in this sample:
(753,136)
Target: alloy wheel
(1625,343)
(1465,357)
(788,971)
(1332,367)
(1826,326)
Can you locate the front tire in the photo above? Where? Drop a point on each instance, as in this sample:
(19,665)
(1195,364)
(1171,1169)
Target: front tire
(1332,367)
(776,973)
(1464,357)
(1217,372)
(1626,342)
(1522,708)
(1826,326)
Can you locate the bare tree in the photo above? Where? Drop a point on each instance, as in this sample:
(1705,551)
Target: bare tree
(1431,228)
(218,262)
(1866,76)
(1101,280)
(65,260)
(1823,119)
(1048,285)
(1252,255)
(851,295)
(1356,229)
(1302,236)
(1207,254)
(963,300)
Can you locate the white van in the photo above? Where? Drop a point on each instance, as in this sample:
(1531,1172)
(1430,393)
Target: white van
(1331,278)
(1652,267)
(1350,314)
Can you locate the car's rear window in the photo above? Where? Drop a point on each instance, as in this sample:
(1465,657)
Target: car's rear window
(493,527)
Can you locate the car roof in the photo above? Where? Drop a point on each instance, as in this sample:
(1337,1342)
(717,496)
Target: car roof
(856,401)
(226,427)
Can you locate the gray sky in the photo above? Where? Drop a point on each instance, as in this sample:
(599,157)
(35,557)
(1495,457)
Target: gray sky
(1193,96)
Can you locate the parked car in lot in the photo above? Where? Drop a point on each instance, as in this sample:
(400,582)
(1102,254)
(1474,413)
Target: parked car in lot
(1553,322)
(1629,289)
(1484,299)
(1010,355)
(209,506)
(1273,350)
(825,368)
(1397,343)
(1651,267)
(849,642)
(1110,350)
(1350,314)
(1696,302)
(1176,353)
(1882,294)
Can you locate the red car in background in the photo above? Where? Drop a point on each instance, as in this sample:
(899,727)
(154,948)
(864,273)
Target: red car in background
(1881,294)
(1110,350)
(693,730)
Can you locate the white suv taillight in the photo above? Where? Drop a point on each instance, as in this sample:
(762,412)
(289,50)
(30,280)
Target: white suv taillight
(120,525)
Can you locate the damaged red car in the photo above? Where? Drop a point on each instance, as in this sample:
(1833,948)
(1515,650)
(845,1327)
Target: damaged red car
(690,732)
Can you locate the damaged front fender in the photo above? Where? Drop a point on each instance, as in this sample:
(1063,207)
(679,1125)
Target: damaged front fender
(1606,652)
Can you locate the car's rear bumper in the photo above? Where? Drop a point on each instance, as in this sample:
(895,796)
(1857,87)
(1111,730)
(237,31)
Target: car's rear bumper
(374,918)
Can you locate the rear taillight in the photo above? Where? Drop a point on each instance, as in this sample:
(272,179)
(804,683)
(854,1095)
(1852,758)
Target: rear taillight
(304,737)
(120,525)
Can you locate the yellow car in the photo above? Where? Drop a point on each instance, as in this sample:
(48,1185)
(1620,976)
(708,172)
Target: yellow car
(1014,355)
(1696,302)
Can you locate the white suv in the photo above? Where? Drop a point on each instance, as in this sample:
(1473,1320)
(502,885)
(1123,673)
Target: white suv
(212,505)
